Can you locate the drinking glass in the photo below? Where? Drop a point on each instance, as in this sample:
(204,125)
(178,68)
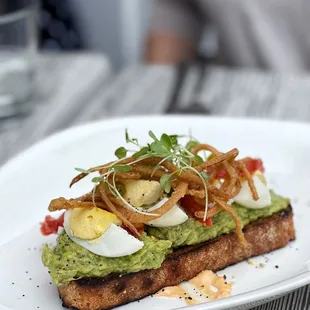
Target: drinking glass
(18,48)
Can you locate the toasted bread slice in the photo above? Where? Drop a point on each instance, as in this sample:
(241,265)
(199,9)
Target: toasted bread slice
(263,236)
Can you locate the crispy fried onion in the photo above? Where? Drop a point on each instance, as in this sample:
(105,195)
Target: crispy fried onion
(234,215)
(184,182)
(64,204)
(104,194)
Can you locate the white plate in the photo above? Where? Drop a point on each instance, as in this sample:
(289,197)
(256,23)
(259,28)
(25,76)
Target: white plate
(29,181)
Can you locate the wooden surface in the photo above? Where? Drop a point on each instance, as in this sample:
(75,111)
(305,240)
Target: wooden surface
(74,89)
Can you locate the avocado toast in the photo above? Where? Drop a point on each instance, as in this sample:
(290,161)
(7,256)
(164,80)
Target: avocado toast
(159,217)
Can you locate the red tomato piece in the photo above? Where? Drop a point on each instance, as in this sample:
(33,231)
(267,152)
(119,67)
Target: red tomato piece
(252,164)
(51,225)
(191,206)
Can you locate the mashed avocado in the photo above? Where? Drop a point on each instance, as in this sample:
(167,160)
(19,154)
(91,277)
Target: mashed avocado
(69,261)
(192,232)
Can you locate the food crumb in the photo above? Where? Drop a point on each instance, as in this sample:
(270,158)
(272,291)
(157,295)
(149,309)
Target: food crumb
(261,265)
(277,266)
(251,262)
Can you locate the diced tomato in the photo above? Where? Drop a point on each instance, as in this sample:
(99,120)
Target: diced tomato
(191,206)
(51,225)
(252,164)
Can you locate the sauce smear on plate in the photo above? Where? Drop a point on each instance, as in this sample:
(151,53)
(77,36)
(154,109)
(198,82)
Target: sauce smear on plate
(207,286)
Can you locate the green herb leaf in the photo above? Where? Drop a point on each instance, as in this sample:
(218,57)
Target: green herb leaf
(185,161)
(140,153)
(204,175)
(190,145)
(152,135)
(166,141)
(165,182)
(130,140)
(97,179)
(82,170)
(159,148)
(174,139)
(198,159)
(121,152)
(122,168)
(127,136)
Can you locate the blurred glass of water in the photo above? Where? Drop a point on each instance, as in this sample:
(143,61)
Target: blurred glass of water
(18,45)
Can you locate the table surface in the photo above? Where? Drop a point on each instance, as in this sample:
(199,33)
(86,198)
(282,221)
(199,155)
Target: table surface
(77,88)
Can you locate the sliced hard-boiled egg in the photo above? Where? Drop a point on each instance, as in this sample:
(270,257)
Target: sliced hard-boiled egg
(91,223)
(261,176)
(175,216)
(142,192)
(114,242)
(245,199)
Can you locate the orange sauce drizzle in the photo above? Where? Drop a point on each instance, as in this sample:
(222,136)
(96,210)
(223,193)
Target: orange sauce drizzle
(207,283)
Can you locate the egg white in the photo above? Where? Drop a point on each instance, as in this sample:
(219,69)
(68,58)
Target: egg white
(114,242)
(245,199)
(175,216)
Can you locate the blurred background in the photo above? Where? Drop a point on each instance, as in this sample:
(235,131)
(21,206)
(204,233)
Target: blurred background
(267,34)
(115,28)
(64,63)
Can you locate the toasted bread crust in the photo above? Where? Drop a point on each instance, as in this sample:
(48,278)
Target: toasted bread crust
(263,236)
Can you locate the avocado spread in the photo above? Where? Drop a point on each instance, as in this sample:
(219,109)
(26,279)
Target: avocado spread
(192,232)
(69,261)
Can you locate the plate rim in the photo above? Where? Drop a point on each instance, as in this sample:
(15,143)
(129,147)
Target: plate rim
(64,133)
(278,288)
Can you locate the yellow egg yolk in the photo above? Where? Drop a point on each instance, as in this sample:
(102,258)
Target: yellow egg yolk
(261,176)
(89,224)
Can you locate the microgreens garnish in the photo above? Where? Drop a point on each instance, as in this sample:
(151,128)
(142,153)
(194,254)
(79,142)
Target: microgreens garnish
(121,152)
(204,175)
(165,182)
(97,179)
(166,147)
(82,170)
(122,168)
(131,140)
